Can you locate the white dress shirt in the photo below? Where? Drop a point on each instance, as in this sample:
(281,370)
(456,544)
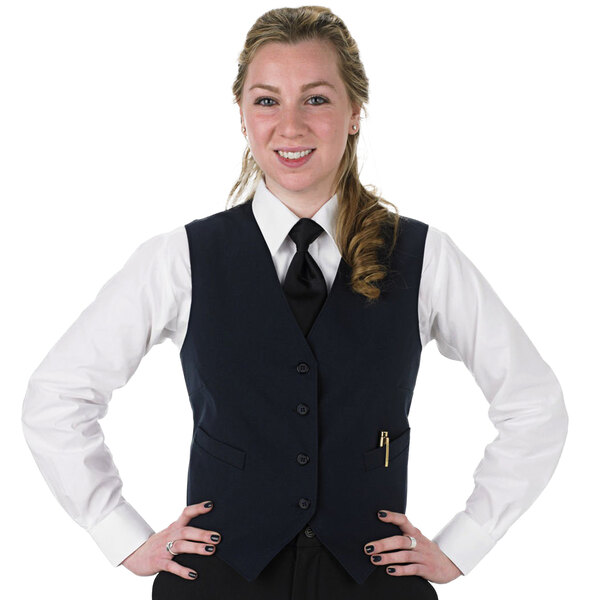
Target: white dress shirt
(149,300)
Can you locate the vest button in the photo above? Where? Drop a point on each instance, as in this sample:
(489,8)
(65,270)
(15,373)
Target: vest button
(302,458)
(309,533)
(304,503)
(302,409)
(302,368)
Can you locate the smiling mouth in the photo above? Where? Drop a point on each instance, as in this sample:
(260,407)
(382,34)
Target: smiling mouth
(295,155)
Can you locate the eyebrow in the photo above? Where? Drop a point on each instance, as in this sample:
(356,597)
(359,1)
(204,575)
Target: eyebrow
(305,87)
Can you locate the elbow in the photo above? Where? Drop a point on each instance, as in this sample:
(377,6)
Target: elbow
(32,409)
(28,410)
(562,419)
(565,423)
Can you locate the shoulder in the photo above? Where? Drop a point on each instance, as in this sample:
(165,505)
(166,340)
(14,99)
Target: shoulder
(411,234)
(441,247)
(432,245)
(164,243)
(163,252)
(408,227)
(220,220)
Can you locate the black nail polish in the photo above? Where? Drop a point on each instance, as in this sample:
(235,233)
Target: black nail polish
(207,504)
(210,548)
(193,575)
(382,513)
(370,548)
(391,570)
(214,537)
(376,558)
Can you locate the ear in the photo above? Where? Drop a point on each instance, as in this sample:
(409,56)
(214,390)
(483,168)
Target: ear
(241,115)
(355,117)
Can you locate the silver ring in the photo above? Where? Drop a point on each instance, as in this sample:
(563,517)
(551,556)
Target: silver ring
(413,542)
(169,546)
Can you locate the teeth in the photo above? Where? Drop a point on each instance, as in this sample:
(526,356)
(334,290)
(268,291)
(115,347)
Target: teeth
(294,154)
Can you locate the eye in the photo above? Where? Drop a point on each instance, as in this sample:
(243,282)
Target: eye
(259,101)
(319,98)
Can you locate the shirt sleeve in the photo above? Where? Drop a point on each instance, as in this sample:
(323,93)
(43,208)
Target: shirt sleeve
(143,304)
(461,311)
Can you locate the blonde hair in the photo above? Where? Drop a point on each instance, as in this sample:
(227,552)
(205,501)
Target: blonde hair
(363,226)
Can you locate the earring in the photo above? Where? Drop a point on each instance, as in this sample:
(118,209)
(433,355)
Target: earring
(244,130)
(354,127)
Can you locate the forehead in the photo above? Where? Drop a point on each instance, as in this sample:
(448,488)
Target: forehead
(278,62)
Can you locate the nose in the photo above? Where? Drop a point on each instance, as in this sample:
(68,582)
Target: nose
(291,122)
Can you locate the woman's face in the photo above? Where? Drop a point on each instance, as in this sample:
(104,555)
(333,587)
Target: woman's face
(294,100)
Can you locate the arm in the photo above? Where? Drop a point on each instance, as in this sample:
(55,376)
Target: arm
(143,304)
(461,311)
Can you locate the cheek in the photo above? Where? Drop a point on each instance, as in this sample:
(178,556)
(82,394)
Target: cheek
(256,138)
(260,126)
(333,130)
(338,138)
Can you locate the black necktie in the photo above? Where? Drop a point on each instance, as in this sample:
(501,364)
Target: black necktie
(304,284)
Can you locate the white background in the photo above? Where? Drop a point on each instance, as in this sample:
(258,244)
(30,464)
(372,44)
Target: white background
(117,123)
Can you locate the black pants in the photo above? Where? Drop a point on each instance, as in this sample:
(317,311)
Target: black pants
(303,570)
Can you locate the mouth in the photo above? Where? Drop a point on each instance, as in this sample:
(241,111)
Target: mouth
(294,153)
(294,158)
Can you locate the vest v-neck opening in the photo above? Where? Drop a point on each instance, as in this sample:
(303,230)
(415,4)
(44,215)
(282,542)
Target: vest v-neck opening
(337,281)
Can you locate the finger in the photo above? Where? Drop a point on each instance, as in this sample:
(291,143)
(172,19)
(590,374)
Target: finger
(395,542)
(177,569)
(193,510)
(399,570)
(399,519)
(401,556)
(187,547)
(198,534)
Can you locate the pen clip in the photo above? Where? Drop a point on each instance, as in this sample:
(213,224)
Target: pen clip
(384,439)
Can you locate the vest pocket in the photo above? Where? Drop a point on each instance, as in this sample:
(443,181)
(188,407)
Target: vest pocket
(376,457)
(232,456)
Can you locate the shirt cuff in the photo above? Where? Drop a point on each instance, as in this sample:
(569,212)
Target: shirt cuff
(120,533)
(464,542)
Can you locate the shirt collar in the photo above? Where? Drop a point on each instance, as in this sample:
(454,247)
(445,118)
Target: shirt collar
(275,219)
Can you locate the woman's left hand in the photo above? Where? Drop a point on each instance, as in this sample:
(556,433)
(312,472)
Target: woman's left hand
(426,558)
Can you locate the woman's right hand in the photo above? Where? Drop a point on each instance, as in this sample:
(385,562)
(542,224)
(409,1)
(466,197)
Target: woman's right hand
(152,556)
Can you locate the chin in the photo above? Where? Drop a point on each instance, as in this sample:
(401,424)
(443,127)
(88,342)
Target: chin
(295,183)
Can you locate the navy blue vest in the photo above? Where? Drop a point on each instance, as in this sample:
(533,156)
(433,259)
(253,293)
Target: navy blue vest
(287,427)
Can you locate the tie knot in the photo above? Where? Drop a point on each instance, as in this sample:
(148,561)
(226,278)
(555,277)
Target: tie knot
(304,232)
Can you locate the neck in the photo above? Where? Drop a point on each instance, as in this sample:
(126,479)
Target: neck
(304,203)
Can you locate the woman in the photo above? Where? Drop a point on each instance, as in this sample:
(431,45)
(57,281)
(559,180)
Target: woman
(300,313)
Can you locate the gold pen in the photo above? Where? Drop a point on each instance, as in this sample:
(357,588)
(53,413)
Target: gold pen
(384,437)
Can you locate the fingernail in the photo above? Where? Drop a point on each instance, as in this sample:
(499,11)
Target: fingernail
(376,558)
(193,575)
(382,513)
(391,570)
(210,548)
(207,504)
(370,548)
(214,537)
